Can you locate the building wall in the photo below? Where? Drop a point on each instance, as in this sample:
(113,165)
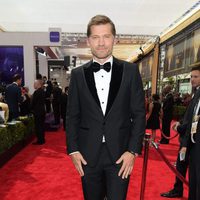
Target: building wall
(28,41)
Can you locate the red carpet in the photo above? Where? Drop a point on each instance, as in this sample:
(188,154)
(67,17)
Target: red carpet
(46,173)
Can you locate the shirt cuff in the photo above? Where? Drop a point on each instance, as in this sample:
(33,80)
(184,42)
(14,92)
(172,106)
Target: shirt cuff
(74,153)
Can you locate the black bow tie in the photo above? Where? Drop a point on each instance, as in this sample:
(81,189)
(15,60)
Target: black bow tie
(96,66)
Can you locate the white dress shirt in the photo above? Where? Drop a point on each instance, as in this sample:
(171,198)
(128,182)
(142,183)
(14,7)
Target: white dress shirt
(102,82)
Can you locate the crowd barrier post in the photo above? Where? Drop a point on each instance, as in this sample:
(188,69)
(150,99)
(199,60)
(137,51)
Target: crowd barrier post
(145,161)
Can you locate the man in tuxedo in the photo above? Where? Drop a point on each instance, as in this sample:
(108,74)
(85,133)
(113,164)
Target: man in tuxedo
(38,109)
(13,97)
(191,141)
(105,120)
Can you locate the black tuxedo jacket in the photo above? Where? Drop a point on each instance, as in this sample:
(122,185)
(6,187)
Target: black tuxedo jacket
(168,103)
(13,97)
(38,102)
(123,125)
(188,120)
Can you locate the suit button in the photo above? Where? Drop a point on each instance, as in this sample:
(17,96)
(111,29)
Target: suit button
(104,123)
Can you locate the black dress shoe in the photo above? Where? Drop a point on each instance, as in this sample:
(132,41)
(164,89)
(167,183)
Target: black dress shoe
(171,194)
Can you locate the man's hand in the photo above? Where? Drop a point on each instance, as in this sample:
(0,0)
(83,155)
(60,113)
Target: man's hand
(175,125)
(127,160)
(78,160)
(183,150)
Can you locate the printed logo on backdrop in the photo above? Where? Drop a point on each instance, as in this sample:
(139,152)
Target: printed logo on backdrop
(54,34)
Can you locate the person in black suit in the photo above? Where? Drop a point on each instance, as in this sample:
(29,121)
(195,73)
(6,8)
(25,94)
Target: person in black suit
(105,121)
(48,92)
(168,103)
(38,109)
(63,103)
(56,93)
(191,141)
(13,97)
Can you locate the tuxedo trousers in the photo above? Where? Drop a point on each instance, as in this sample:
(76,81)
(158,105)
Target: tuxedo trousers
(102,181)
(181,167)
(194,170)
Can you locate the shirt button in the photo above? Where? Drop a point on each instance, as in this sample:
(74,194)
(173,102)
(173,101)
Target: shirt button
(102,102)
(102,76)
(102,89)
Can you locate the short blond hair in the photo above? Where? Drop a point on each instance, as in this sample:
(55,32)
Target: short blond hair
(98,20)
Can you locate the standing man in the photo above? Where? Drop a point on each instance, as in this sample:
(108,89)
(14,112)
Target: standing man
(191,141)
(13,97)
(56,94)
(38,109)
(105,121)
(168,103)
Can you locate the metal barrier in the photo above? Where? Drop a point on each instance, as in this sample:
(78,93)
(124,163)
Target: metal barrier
(145,161)
(170,165)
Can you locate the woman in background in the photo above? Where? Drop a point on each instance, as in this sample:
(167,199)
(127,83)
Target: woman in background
(153,116)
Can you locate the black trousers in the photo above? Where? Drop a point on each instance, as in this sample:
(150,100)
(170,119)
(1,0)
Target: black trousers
(181,167)
(194,170)
(48,105)
(166,122)
(103,181)
(56,112)
(39,128)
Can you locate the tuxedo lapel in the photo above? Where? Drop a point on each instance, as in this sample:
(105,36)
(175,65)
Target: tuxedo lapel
(89,76)
(116,78)
(190,110)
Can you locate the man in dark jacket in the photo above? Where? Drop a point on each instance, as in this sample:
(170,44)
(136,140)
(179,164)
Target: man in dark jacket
(38,109)
(13,97)
(105,116)
(56,93)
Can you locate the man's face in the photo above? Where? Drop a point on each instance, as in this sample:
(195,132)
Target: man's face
(101,41)
(19,81)
(195,78)
(35,85)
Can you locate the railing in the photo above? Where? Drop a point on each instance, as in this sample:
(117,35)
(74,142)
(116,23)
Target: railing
(145,162)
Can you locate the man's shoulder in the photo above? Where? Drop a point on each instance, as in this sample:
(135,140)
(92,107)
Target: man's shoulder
(81,67)
(128,65)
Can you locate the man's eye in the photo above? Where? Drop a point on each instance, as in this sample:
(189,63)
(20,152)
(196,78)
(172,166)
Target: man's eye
(95,37)
(107,36)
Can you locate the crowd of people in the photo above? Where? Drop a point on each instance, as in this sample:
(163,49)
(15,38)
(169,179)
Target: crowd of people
(48,97)
(161,113)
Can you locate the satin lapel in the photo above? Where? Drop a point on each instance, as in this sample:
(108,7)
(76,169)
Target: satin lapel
(195,99)
(116,78)
(89,77)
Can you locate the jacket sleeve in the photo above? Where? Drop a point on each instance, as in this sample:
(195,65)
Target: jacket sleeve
(72,116)
(137,105)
